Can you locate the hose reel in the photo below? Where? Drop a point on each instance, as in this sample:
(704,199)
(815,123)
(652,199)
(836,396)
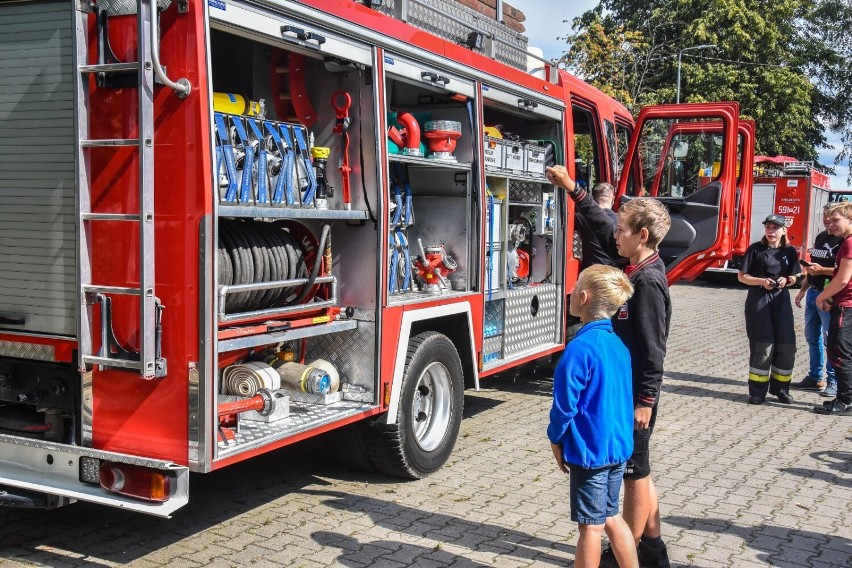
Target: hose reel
(252,252)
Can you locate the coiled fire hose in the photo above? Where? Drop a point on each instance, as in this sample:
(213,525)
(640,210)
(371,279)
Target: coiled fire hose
(246,379)
(254,251)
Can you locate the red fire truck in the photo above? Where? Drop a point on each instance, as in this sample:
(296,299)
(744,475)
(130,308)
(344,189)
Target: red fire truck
(784,186)
(231,225)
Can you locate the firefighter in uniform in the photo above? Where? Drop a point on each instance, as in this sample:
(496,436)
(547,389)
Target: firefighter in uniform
(770,266)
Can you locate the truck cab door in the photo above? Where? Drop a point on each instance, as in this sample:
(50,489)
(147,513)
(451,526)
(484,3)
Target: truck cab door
(745,183)
(694,175)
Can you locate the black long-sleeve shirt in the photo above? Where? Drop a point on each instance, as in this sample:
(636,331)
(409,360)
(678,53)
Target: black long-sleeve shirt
(643,322)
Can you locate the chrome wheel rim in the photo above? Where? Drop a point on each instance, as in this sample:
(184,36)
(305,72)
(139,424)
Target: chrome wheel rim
(431,407)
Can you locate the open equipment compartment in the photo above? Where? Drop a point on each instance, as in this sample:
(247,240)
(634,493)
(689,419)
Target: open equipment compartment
(524,261)
(434,214)
(297,256)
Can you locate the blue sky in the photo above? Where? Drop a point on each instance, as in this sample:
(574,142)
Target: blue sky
(544,25)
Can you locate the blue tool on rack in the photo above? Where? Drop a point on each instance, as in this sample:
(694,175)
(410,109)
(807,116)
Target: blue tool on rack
(394,262)
(402,180)
(397,220)
(225,152)
(262,196)
(245,194)
(292,192)
(284,183)
(405,260)
(304,154)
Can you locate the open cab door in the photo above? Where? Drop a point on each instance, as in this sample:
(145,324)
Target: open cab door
(745,184)
(672,157)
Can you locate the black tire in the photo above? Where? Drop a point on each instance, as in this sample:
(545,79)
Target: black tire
(429,413)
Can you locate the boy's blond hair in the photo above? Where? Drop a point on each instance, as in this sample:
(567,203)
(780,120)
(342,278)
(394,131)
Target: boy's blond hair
(647,213)
(844,208)
(608,289)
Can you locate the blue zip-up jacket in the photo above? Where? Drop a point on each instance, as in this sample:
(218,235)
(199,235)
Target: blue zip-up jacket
(592,412)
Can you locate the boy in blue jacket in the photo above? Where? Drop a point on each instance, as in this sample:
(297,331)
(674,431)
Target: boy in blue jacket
(591,420)
(643,325)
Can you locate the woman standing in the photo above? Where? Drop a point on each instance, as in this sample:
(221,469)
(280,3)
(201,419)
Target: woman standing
(769,268)
(837,297)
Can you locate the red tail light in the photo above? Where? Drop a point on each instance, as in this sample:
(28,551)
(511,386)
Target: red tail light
(135,481)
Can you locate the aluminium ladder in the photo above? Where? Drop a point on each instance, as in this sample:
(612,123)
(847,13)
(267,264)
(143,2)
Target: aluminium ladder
(147,361)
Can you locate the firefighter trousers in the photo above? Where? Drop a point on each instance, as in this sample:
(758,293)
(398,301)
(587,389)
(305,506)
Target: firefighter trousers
(772,341)
(840,350)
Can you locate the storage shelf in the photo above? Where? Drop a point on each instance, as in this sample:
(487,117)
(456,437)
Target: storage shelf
(252,211)
(416,297)
(429,163)
(286,335)
(516,176)
(524,204)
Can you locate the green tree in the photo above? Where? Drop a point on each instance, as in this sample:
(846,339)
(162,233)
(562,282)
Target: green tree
(757,61)
(825,42)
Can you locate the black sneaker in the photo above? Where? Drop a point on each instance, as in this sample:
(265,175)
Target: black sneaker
(608,558)
(834,408)
(653,557)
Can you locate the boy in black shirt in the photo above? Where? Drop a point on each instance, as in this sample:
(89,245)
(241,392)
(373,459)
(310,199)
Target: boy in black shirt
(816,321)
(643,325)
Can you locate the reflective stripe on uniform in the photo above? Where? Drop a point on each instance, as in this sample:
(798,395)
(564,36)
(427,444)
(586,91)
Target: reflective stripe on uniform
(782,376)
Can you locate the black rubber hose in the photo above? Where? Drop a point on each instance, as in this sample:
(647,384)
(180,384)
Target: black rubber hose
(232,301)
(255,264)
(262,269)
(267,247)
(282,262)
(243,261)
(326,229)
(296,265)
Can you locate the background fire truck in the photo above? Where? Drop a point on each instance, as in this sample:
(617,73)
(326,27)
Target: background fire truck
(784,186)
(228,226)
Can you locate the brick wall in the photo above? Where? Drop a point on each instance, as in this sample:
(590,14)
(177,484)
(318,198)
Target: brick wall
(512,16)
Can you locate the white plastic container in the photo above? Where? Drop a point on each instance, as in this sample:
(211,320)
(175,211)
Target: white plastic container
(534,155)
(494,154)
(515,157)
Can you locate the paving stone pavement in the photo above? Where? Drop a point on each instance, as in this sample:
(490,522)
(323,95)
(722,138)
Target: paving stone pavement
(740,486)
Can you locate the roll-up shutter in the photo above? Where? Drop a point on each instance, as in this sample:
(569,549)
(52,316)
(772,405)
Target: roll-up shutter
(37,176)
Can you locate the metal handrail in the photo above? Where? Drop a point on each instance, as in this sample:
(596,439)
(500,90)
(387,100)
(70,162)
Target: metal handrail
(224,290)
(181,87)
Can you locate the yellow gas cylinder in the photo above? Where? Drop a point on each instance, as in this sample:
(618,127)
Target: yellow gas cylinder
(229,103)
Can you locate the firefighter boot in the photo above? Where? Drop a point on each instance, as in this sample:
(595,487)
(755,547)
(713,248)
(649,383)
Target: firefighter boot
(653,554)
(757,391)
(780,389)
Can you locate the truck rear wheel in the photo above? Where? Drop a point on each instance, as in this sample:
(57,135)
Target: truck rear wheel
(429,413)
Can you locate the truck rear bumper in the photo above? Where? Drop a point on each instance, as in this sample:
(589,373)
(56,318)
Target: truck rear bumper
(39,467)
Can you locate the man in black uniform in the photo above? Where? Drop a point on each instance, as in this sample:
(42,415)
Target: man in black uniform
(816,321)
(593,249)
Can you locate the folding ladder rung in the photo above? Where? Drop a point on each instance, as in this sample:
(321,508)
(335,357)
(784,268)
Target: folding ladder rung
(110,68)
(109,142)
(112,290)
(110,362)
(109,217)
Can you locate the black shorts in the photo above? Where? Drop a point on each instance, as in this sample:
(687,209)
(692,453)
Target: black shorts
(639,464)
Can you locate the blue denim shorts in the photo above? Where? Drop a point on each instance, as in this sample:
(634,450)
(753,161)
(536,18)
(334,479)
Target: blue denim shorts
(594,493)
